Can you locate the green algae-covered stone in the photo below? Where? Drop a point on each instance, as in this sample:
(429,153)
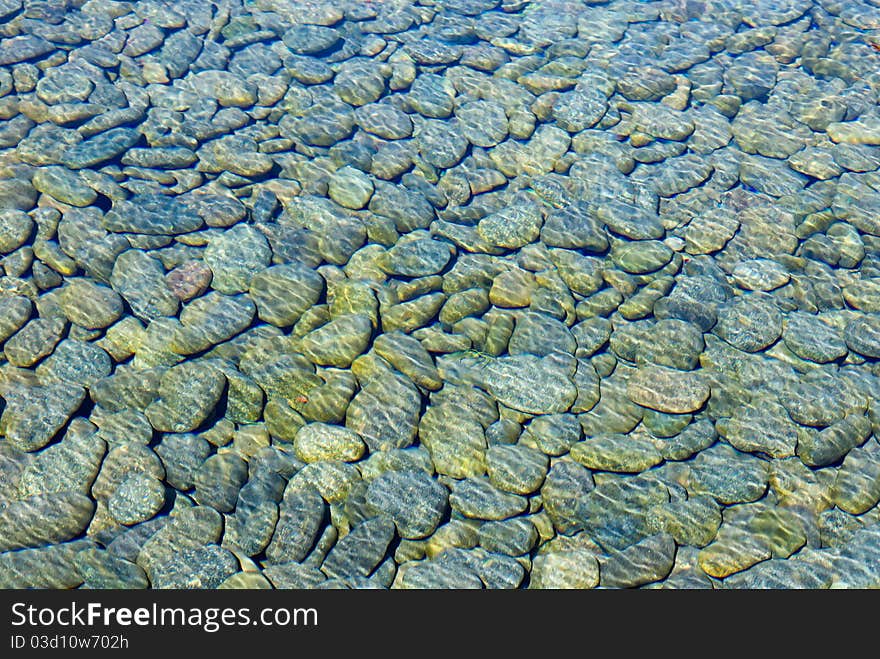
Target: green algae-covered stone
(188,394)
(619,453)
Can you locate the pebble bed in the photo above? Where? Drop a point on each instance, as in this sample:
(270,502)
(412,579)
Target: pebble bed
(439,293)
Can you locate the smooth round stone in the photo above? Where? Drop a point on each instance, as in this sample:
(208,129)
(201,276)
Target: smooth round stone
(89,304)
(818,401)
(15,311)
(667,390)
(431,96)
(64,85)
(752,75)
(477,498)
(339,342)
(151,214)
(52,518)
(574,569)
(574,227)
(441,143)
(644,562)
(414,501)
(310,39)
(136,499)
(323,124)
(359,85)
(100,148)
(642,256)
(35,340)
(76,362)
(829,445)
(529,384)
(646,83)
(809,337)
(384,120)
(417,258)
(760,275)
(552,434)
(203,567)
(617,453)
(512,227)
(728,475)
(283,293)
(750,322)
(512,537)
(483,123)
(308,70)
(218,481)
(629,220)
(516,469)
(188,394)
(762,428)
(64,185)
(15,228)
(181,456)
(321,441)
(694,521)
(862,335)
(578,110)
(189,280)
(236,256)
(351,188)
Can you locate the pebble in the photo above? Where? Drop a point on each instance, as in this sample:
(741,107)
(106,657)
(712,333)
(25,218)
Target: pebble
(488,294)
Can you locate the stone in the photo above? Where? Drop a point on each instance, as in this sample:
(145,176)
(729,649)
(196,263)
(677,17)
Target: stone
(33,415)
(644,562)
(99,149)
(136,499)
(667,390)
(750,322)
(414,501)
(530,384)
(513,227)
(694,521)
(300,518)
(811,337)
(385,413)
(64,185)
(321,441)
(75,362)
(573,569)
(615,452)
(361,551)
(44,520)
(235,257)
(417,257)
(827,446)
(862,335)
(188,394)
(516,469)
(15,228)
(196,568)
(140,280)
(477,498)
(90,305)
(512,537)
(338,342)
(729,476)
(35,340)
(762,428)
(408,356)
(283,293)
